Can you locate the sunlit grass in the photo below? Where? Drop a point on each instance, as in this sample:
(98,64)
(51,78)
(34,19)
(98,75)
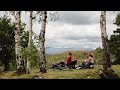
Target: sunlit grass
(60,74)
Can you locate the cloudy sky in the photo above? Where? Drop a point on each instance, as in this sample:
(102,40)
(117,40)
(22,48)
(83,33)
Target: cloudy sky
(74,29)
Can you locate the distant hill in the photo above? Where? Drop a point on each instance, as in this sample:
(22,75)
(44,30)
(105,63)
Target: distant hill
(58,50)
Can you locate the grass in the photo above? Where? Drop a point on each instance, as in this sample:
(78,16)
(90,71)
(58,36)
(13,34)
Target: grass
(51,59)
(60,74)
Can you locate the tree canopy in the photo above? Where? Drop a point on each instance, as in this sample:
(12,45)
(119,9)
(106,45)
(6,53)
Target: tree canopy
(7,41)
(114,42)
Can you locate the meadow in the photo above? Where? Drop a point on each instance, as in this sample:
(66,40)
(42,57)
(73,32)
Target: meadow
(60,74)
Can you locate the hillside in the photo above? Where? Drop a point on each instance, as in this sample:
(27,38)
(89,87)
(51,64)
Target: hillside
(51,59)
(58,74)
(63,74)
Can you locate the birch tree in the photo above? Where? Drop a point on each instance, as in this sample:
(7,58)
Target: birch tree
(19,61)
(104,36)
(42,42)
(43,19)
(30,42)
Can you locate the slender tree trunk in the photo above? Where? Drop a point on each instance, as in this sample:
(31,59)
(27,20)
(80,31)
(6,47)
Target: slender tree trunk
(42,42)
(106,56)
(30,31)
(20,63)
(29,43)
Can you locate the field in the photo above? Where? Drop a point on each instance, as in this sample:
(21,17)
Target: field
(60,74)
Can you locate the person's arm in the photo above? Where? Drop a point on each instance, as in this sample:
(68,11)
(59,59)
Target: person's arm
(72,59)
(85,60)
(92,60)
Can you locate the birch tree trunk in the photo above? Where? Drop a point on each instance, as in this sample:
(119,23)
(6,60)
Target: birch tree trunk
(30,31)
(42,42)
(19,61)
(29,43)
(106,56)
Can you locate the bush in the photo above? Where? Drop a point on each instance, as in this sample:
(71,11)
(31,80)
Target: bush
(98,55)
(32,54)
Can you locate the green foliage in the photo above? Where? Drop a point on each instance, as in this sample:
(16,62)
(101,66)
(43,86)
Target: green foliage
(12,65)
(24,43)
(60,74)
(114,42)
(114,48)
(98,55)
(33,55)
(7,42)
(25,39)
(117,20)
(51,59)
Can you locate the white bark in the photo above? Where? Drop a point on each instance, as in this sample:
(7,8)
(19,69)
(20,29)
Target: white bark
(30,42)
(106,56)
(42,40)
(19,62)
(28,66)
(17,39)
(30,31)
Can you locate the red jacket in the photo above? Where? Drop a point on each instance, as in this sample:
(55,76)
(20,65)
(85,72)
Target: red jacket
(69,59)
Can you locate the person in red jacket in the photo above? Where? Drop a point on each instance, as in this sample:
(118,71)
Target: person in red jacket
(69,59)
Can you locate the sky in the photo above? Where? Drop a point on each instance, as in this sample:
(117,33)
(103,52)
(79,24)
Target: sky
(73,28)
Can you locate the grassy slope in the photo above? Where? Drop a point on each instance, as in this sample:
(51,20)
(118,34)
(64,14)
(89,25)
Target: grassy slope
(62,57)
(57,74)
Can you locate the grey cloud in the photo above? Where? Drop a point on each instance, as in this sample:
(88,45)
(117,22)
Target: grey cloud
(51,40)
(75,17)
(82,44)
(83,17)
(74,41)
(111,17)
(79,17)
(82,38)
(1,13)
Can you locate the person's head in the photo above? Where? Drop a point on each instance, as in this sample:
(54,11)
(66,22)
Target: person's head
(70,53)
(90,55)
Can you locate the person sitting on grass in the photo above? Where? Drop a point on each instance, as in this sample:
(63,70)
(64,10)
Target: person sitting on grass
(87,63)
(90,61)
(69,60)
(73,63)
(84,62)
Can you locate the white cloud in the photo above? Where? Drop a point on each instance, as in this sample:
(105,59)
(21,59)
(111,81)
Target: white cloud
(64,34)
(72,35)
(74,28)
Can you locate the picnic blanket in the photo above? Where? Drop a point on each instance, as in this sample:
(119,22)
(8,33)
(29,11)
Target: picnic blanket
(60,66)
